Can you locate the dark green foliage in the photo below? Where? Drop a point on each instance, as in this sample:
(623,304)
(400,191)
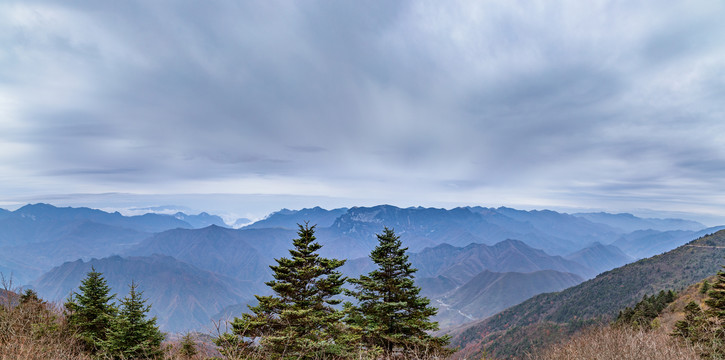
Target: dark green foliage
(231,346)
(645,311)
(706,329)
(90,312)
(705,287)
(390,313)
(716,297)
(132,335)
(29,297)
(694,326)
(299,320)
(188,347)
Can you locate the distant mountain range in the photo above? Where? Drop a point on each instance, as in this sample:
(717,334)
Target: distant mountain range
(538,320)
(557,233)
(200,220)
(600,258)
(288,219)
(241,254)
(629,223)
(490,292)
(645,243)
(39,222)
(470,280)
(460,281)
(460,264)
(36,237)
(183,297)
(459,252)
(80,239)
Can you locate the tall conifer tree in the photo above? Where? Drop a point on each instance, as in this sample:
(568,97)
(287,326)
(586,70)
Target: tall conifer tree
(390,312)
(716,297)
(90,311)
(299,320)
(132,335)
(706,329)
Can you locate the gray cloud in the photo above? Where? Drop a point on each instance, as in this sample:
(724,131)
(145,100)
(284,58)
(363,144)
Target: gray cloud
(461,101)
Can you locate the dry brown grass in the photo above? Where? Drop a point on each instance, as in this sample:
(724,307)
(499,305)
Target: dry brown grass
(203,346)
(620,343)
(35,331)
(38,331)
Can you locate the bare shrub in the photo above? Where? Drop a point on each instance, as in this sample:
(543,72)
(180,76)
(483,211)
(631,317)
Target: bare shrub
(619,343)
(33,329)
(190,346)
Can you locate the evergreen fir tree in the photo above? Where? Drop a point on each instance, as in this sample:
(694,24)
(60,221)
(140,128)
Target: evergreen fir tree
(646,311)
(390,313)
(187,347)
(706,328)
(132,335)
(716,297)
(693,327)
(716,313)
(90,311)
(299,320)
(29,297)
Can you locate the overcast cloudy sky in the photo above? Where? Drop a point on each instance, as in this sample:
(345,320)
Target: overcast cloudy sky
(613,105)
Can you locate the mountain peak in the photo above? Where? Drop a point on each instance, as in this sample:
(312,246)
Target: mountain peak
(514,242)
(215,228)
(37,209)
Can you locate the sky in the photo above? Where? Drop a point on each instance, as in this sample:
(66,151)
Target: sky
(246,107)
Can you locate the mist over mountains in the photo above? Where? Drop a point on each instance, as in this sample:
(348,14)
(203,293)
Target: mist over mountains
(466,256)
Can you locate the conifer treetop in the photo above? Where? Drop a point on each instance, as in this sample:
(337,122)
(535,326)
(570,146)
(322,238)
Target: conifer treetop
(90,311)
(298,320)
(390,312)
(132,334)
(716,296)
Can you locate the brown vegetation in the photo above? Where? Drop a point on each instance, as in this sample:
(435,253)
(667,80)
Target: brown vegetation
(34,329)
(620,343)
(676,311)
(624,342)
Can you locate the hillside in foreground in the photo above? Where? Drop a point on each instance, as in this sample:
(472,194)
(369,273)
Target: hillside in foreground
(549,317)
(642,332)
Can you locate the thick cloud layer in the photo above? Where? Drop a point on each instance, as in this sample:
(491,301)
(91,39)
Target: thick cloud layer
(606,104)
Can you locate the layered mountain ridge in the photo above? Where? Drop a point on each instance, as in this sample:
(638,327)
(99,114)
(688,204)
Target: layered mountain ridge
(490,292)
(451,248)
(518,329)
(184,297)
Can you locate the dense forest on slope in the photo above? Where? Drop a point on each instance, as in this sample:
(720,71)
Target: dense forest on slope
(550,316)
(652,329)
